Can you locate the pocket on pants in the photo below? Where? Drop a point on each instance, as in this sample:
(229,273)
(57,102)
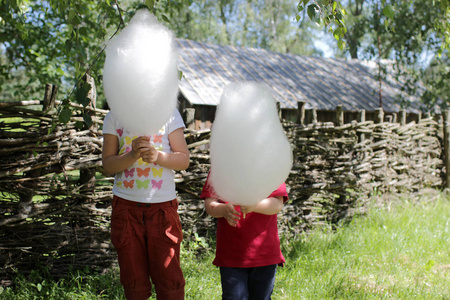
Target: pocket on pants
(120,227)
(171,226)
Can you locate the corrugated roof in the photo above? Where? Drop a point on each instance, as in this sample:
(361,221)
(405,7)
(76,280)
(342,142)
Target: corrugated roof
(322,83)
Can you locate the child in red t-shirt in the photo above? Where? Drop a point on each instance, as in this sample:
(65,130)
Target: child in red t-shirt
(248,247)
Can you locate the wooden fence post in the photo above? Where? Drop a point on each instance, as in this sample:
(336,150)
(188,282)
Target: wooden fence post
(339,115)
(49,97)
(446,121)
(380,115)
(301,112)
(279,110)
(311,116)
(361,118)
(189,117)
(402,117)
(87,175)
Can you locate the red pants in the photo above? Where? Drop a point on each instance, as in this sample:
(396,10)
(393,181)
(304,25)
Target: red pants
(147,239)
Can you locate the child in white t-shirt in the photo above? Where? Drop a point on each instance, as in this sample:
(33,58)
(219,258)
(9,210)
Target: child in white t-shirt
(145,226)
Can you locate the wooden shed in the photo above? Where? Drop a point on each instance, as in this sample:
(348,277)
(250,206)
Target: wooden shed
(314,82)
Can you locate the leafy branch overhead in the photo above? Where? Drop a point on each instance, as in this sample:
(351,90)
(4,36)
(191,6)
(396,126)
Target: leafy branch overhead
(331,14)
(327,13)
(57,42)
(412,35)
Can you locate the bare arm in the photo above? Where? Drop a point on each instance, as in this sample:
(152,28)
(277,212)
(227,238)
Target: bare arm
(114,162)
(218,209)
(178,159)
(268,206)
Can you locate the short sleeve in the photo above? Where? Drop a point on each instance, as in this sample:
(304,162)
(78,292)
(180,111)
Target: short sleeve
(280,192)
(109,124)
(207,191)
(175,122)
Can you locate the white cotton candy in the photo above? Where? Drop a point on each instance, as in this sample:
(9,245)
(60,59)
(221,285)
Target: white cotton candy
(140,75)
(250,153)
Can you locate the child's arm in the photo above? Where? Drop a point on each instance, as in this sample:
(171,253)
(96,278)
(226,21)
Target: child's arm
(112,161)
(268,206)
(177,160)
(218,209)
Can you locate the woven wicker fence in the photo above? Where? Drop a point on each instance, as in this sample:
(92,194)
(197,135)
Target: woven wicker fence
(54,199)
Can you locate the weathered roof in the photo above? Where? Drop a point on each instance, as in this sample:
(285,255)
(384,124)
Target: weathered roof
(322,83)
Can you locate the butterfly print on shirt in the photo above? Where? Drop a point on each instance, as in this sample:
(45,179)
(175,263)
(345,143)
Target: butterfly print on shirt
(143,172)
(157,172)
(157,138)
(156,184)
(142,184)
(128,184)
(129,173)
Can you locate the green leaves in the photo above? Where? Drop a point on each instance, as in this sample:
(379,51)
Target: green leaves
(313,11)
(339,33)
(389,11)
(150,4)
(329,14)
(165,18)
(65,115)
(81,96)
(50,41)
(81,93)
(341,44)
(87,119)
(334,5)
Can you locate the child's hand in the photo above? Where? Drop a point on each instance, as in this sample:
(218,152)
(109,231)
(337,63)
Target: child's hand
(151,155)
(247,209)
(140,145)
(231,214)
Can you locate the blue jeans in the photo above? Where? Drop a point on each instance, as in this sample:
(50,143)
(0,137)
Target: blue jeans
(247,283)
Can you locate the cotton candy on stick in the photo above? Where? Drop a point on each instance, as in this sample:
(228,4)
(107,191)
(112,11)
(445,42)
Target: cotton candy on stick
(250,153)
(140,75)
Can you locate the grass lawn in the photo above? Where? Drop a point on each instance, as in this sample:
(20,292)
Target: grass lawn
(400,251)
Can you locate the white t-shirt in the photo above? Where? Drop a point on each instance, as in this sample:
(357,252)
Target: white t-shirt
(144,182)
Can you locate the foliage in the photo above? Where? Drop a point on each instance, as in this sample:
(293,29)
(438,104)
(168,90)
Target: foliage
(402,31)
(77,285)
(263,24)
(437,79)
(328,13)
(58,42)
(332,13)
(414,38)
(51,41)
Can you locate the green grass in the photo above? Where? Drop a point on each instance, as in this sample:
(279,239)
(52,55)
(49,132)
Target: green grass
(396,252)
(400,253)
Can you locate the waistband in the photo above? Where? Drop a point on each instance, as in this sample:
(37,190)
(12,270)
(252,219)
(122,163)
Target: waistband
(117,200)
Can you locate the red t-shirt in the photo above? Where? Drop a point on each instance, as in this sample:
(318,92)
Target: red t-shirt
(254,242)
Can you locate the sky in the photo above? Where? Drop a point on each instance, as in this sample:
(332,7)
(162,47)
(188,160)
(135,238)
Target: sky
(324,46)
